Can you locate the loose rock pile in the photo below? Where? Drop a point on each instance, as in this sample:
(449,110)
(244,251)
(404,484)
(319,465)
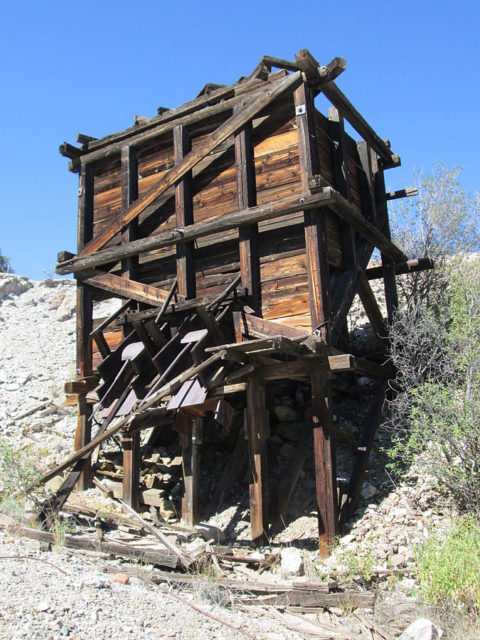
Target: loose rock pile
(37,355)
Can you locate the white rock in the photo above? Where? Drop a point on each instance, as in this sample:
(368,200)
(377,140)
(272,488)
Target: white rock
(421,629)
(291,562)
(368,491)
(43,605)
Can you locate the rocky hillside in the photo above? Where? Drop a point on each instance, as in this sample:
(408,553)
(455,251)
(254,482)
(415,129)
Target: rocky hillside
(37,355)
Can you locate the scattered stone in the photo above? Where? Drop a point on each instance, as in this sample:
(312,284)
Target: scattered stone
(421,629)
(43,605)
(121,578)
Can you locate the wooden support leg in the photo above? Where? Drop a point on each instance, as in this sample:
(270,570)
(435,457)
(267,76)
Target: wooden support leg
(84,325)
(190,434)
(325,474)
(257,427)
(131,469)
(83,436)
(84,368)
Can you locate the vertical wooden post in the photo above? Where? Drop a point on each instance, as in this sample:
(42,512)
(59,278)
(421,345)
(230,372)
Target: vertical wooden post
(247,197)
(319,294)
(257,429)
(129,172)
(184,215)
(389,279)
(368,160)
(377,205)
(324,455)
(314,221)
(342,183)
(84,320)
(131,469)
(190,436)
(131,442)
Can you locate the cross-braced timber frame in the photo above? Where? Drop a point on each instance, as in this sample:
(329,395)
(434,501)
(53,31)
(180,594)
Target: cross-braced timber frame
(237,230)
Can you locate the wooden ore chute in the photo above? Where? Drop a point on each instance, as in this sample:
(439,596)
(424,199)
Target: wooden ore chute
(236,229)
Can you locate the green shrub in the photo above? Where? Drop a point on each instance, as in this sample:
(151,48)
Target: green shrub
(18,474)
(448,566)
(437,408)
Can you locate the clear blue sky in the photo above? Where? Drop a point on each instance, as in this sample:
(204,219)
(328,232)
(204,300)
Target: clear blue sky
(412,71)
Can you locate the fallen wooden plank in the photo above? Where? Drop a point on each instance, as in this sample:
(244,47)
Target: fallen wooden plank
(183,558)
(367,436)
(158,557)
(233,466)
(308,594)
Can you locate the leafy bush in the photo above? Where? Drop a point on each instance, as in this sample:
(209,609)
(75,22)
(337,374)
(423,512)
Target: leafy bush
(448,566)
(437,409)
(18,474)
(435,338)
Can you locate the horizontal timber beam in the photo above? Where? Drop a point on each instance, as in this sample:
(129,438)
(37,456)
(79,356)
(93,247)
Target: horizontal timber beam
(163,129)
(223,95)
(410,266)
(327,197)
(125,288)
(347,212)
(408,192)
(283,207)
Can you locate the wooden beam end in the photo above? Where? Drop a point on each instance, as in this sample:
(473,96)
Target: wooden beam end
(63,256)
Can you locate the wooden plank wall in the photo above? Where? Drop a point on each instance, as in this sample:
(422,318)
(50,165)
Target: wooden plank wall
(281,242)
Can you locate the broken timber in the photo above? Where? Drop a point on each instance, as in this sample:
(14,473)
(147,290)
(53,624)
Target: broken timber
(239,228)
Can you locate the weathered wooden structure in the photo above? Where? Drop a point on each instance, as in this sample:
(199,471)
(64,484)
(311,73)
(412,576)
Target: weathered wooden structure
(237,229)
